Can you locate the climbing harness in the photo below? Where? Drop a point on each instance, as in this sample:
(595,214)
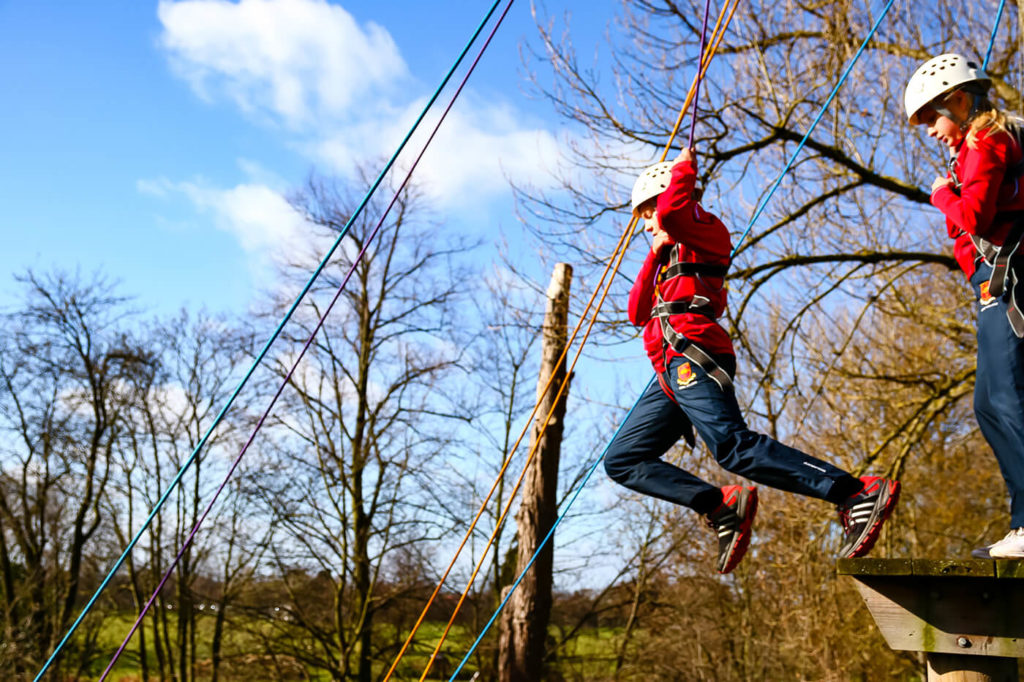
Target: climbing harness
(1007,278)
(663,310)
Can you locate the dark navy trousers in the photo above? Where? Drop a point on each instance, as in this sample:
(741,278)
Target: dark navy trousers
(999,392)
(657,422)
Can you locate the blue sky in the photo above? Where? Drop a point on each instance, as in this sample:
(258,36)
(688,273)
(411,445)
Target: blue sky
(154,141)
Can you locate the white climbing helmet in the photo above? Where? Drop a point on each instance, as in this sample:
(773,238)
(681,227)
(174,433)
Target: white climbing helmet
(940,75)
(652,182)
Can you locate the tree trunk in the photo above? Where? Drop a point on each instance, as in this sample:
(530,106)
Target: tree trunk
(525,620)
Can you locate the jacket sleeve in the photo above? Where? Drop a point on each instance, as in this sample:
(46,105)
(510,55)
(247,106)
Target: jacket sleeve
(682,216)
(981,176)
(641,296)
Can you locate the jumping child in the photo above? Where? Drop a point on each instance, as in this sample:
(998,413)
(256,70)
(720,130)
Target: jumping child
(677,298)
(983,203)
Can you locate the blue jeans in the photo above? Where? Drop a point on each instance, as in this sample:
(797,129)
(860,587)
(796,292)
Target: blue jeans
(999,392)
(657,422)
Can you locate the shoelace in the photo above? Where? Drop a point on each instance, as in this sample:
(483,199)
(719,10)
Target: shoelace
(844,517)
(730,520)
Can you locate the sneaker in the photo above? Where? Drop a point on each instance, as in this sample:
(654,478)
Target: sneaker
(732,521)
(982,552)
(1010,547)
(863,514)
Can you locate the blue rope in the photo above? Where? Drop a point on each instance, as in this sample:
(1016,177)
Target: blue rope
(992,39)
(547,537)
(572,499)
(817,120)
(266,347)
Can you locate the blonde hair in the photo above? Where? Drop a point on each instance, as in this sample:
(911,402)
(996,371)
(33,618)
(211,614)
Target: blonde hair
(989,119)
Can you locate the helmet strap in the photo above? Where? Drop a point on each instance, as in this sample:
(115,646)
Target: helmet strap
(943,111)
(976,100)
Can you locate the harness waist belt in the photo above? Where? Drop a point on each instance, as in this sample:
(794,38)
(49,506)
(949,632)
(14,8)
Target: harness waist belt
(681,269)
(698,304)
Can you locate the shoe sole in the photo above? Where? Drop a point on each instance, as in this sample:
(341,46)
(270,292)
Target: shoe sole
(890,496)
(739,549)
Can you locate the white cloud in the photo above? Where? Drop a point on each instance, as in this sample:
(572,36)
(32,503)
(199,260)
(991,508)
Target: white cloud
(307,63)
(259,217)
(477,150)
(299,60)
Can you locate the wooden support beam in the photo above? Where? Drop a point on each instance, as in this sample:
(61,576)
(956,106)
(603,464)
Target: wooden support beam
(967,616)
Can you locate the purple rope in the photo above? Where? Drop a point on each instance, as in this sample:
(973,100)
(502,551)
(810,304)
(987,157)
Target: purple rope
(309,342)
(700,65)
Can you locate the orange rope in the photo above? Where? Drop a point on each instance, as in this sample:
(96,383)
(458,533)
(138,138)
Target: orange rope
(507,462)
(716,40)
(619,253)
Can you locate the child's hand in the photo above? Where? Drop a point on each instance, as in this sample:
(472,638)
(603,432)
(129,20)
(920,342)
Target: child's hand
(661,240)
(687,154)
(939,182)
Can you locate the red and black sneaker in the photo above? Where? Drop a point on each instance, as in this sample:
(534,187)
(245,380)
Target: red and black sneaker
(863,514)
(732,521)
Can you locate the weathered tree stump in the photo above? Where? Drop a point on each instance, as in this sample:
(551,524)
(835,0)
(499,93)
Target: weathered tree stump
(966,616)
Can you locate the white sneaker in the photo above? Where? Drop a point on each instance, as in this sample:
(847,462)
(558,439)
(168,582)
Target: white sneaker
(1010,547)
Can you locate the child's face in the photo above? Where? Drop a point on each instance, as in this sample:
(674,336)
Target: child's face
(941,127)
(651,223)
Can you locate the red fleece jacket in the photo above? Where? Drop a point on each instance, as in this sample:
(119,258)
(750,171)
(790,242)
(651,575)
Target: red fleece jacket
(985,193)
(702,238)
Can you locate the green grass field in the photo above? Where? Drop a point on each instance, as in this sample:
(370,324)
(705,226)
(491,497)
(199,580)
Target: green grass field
(590,656)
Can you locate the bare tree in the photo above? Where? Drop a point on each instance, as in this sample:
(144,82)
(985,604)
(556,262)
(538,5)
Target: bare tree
(350,486)
(65,368)
(169,414)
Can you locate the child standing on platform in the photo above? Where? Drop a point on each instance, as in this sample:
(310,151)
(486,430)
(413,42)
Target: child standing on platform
(982,199)
(677,298)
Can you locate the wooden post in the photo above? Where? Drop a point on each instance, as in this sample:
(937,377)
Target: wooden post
(524,621)
(966,616)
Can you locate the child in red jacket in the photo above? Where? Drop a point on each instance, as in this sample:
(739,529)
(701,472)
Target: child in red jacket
(677,298)
(983,202)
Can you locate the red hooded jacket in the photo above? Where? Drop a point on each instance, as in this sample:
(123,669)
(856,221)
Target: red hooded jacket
(701,238)
(985,193)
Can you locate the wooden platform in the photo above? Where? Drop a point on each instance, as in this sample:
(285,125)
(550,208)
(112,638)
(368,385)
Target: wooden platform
(968,616)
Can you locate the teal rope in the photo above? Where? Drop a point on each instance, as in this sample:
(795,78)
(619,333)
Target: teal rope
(814,125)
(547,537)
(992,39)
(266,347)
(569,503)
